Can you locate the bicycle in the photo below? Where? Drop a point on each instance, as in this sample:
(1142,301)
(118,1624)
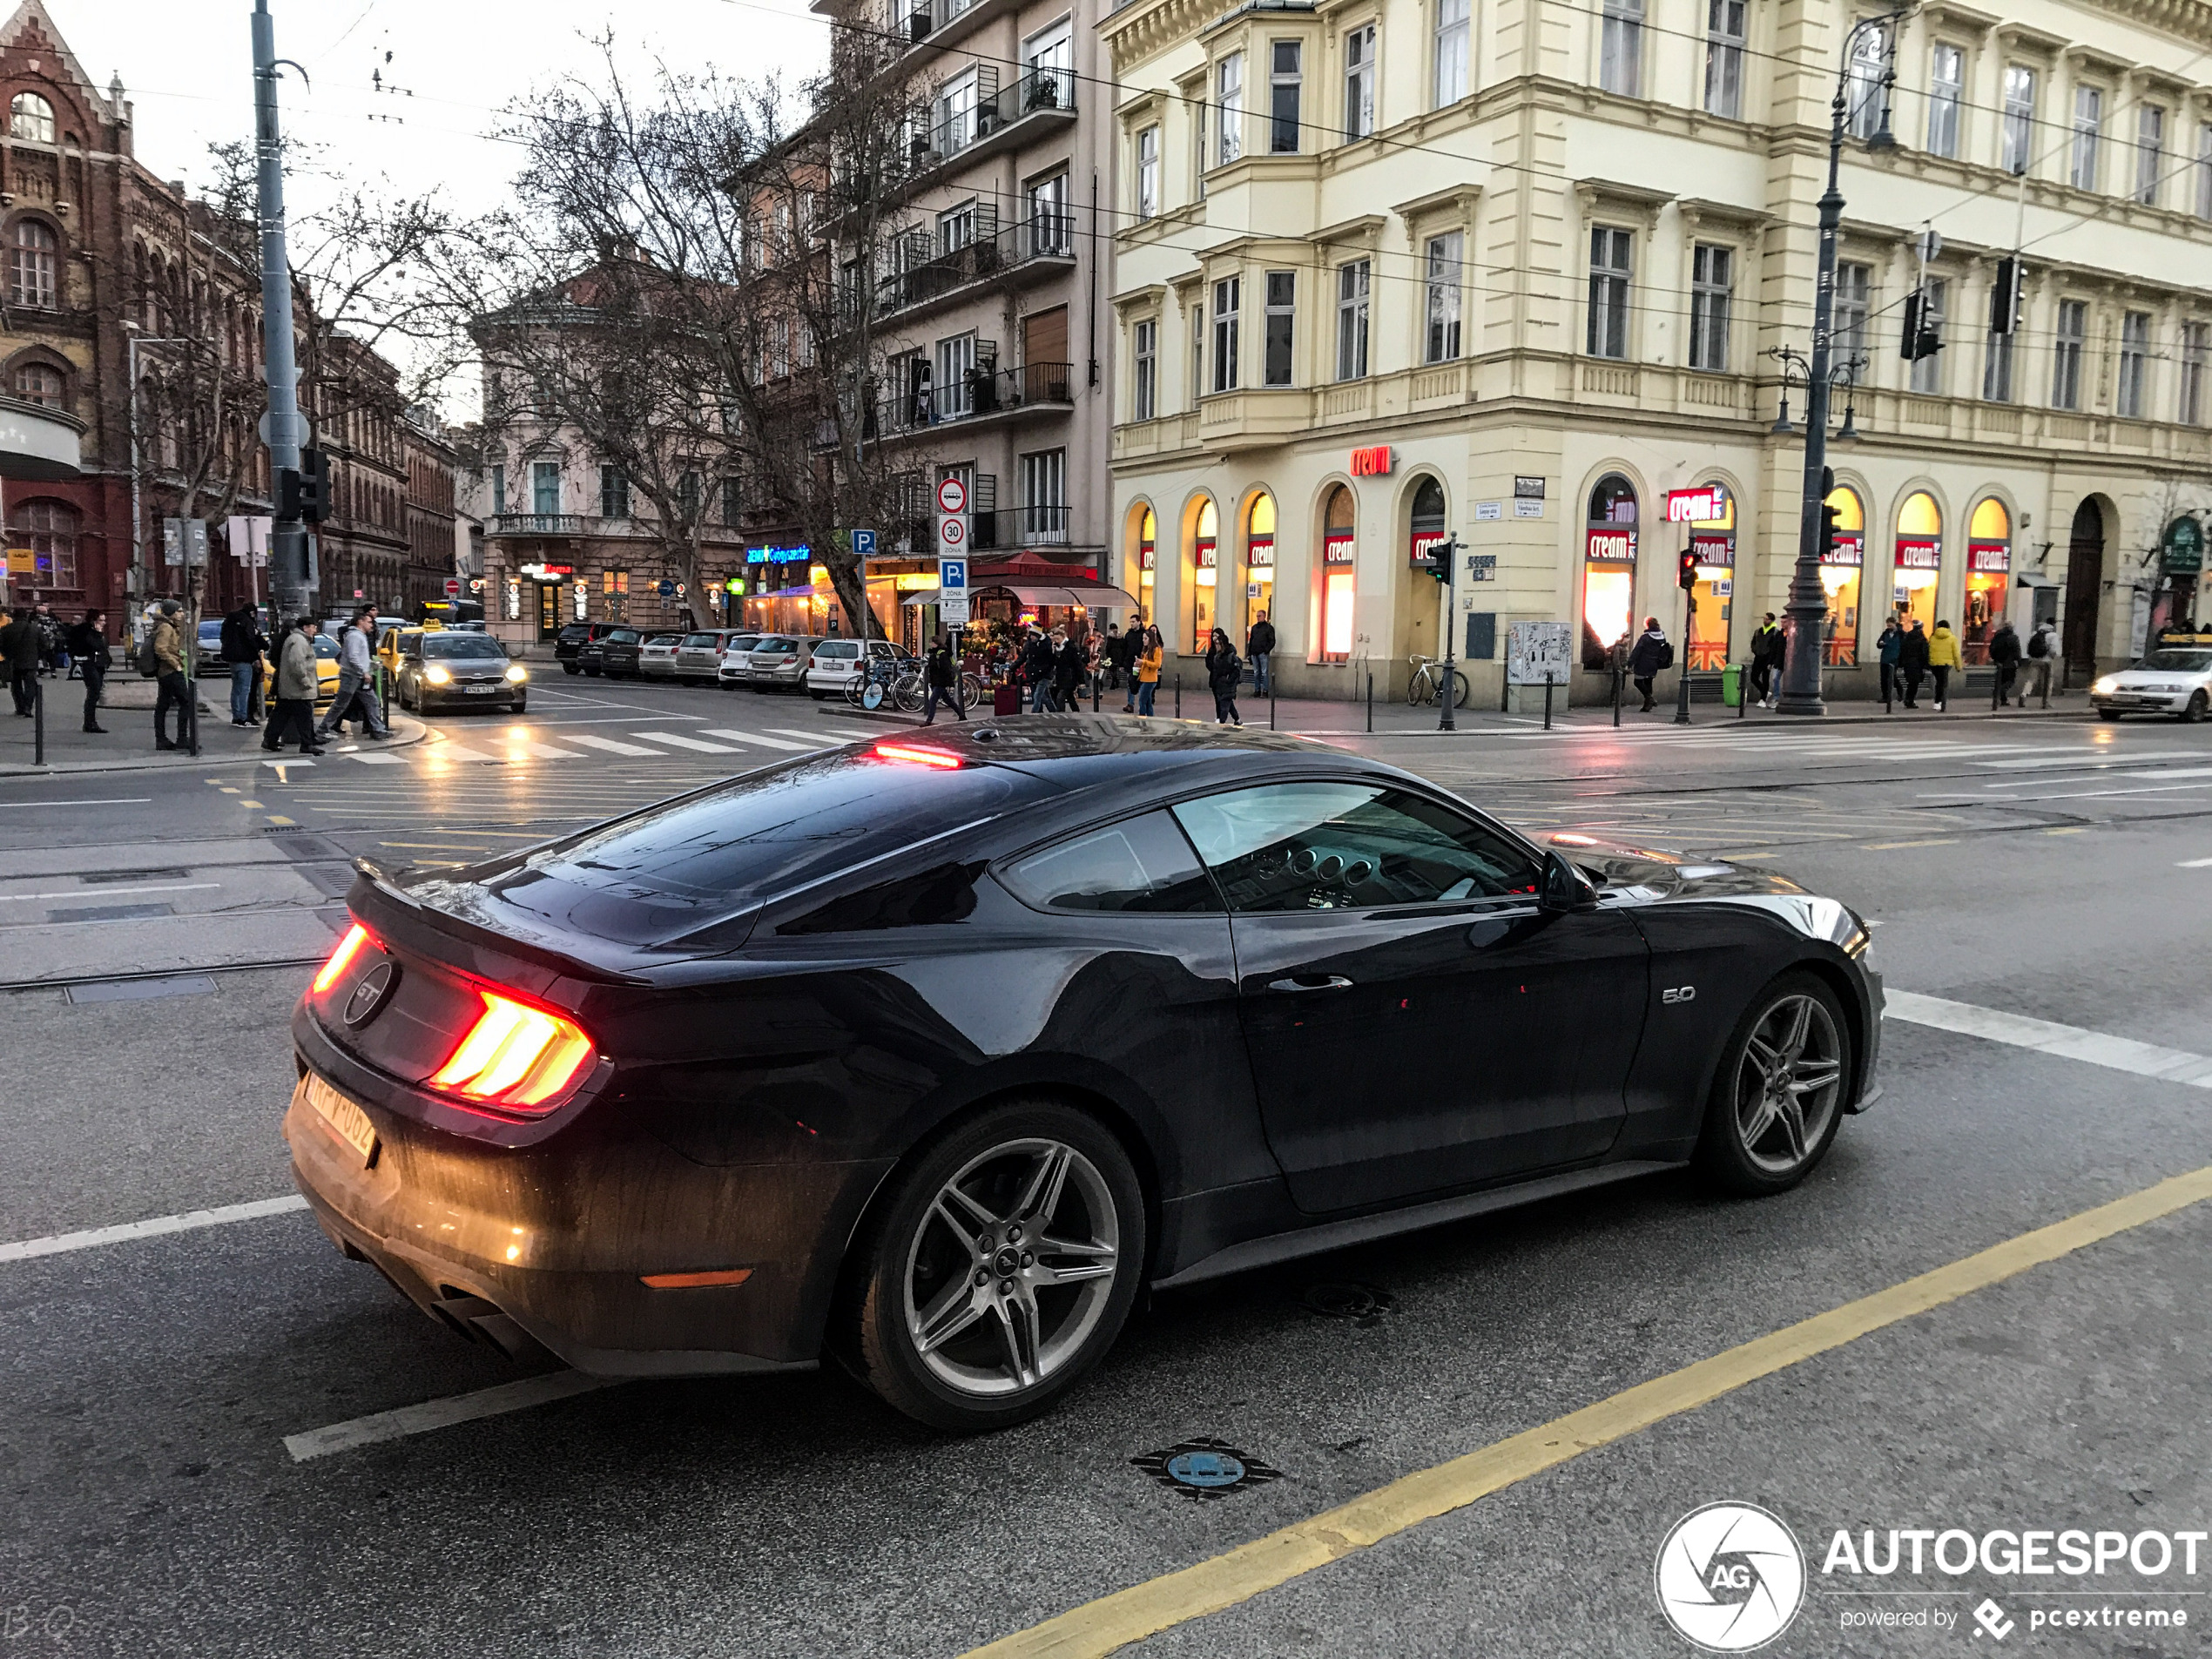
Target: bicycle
(1427,683)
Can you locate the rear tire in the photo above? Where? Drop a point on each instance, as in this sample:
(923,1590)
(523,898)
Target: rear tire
(571,668)
(1778,1096)
(914,1323)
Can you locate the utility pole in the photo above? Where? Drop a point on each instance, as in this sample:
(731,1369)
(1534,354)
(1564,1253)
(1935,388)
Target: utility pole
(1450,553)
(1808,606)
(290,592)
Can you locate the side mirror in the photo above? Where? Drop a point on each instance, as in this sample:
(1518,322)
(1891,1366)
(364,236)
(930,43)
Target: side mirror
(1565,889)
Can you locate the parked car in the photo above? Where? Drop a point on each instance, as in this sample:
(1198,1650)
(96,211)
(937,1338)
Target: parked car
(656,656)
(736,653)
(618,650)
(569,643)
(448,668)
(700,656)
(778,662)
(836,663)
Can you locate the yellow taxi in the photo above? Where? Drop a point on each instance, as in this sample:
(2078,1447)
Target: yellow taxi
(325,671)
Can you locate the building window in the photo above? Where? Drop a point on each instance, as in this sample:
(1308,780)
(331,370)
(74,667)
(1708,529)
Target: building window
(1446,254)
(1148,173)
(2017,133)
(1609,256)
(1284,80)
(1359,83)
(2150,153)
(1927,372)
(1052,228)
(1229,83)
(1946,86)
(956,376)
(2135,353)
(1620,61)
(1997,369)
(614,493)
(1854,295)
(498,490)
(30,116)
(2088,123)
(687,497)
(40,384)
(1340,575)
(1227,300)
(2196,343)
(1352,321)
(1146,351)
(545,488)
(2204,171)
(31,282)
(732,503)
(1451,16)
(614,594)
(1712,276)
(1044,497)
(1282,297)
(1198,353)
(1198,141)
(956,227)
(2065,354)
(1864,86)
(1724,38)
(49,529)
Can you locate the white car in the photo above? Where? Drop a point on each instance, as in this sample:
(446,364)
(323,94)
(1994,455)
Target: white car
(2174,679)
(656,656)
(837,664)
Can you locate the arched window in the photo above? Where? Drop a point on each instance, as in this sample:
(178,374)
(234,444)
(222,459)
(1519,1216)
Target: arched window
(1427,526)
(31,277)
(1608,567)
(39,383)
(31,117)
(1259,560)
(1712,601)
(1339,575)
(1148,536)
(1989,564)
(1843,566)
(1204,573)
(49,529)
(1919,556)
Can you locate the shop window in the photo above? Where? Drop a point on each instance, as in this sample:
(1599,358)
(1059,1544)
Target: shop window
(1259,561)
(49,529)
(1918,558)
(614,593)
(1843,565)
(1428,518)
(1712,601)
(1989,565)
(1147,530)
(1609,568)
(1340,575)
(1205,572)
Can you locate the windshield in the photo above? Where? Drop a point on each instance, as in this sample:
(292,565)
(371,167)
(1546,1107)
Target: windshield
(461,645)
(326,647)
(2184,662)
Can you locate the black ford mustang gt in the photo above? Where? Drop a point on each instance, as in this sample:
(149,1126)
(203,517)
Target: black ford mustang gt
(928,1053)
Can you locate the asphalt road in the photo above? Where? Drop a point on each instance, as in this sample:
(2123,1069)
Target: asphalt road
(2055,869)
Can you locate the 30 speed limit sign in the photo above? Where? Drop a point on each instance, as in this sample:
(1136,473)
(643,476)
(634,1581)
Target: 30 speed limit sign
(952,517)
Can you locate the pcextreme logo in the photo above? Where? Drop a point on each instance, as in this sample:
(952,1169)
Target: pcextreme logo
(1730,1577)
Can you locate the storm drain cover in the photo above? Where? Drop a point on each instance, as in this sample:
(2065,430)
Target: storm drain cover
(1206,1468)
(1363,1305)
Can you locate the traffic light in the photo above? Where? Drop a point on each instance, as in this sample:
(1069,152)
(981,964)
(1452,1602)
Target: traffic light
(1923,328)
(304,496)
(1830,521)
(2004,296)
(1436,559)
(1686,570)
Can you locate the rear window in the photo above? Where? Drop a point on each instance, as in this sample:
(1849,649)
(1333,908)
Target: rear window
(673,869)
(739,641)
(576,631)
(777,642)
(621,637)
(461,645)
(837,648)
(698,640)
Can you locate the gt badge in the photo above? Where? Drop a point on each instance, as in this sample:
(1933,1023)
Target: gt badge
(1679,994)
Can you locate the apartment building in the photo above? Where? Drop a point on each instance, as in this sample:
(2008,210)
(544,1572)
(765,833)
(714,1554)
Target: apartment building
(1394,270)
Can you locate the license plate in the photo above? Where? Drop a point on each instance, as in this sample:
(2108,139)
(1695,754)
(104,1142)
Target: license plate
(346,1121)
(485,691)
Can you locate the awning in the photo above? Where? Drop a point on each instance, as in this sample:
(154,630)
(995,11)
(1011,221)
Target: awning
(1092,595)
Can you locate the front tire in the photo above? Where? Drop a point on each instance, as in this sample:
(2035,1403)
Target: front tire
(571,668)
(2195,711)
(999,1265)
(1778,1096)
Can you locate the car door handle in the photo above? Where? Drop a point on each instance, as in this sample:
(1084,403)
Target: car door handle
(1312,982)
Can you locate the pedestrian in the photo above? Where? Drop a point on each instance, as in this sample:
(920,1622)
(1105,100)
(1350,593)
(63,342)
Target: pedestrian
(1225,673)
(295,691)
(2005,653)
(1770,649)
(1071,666)
(1912,661)
(1110,658)
(1259,646)
(19,647)
(941,680)
(1943,657)
(1148,670)
(1886,653)
(174,691)
(1652,652)
(2042,652)
(51,656)
(354,699)
(88,645)
(1132,648)
(241,649)
(1036,670)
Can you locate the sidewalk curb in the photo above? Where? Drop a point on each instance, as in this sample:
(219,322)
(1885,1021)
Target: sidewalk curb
(407,731)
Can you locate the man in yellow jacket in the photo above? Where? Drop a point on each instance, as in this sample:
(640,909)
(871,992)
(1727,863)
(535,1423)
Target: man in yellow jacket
(1943,657)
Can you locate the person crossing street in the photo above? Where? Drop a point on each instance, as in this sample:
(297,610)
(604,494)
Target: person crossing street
(1652,652)
(2005,652)
(1943,657)
(295,691)
(940,681)
(354,699)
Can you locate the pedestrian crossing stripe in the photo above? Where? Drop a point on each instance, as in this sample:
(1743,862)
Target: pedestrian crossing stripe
(755,736)
(610,745)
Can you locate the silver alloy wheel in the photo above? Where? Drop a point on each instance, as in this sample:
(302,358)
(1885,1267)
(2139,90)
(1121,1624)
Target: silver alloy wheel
(1788,1083)
(1012,1267)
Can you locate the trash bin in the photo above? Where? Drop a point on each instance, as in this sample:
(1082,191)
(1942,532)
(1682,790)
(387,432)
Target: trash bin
(1732,685)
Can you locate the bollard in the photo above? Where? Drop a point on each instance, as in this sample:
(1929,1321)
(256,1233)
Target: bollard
(190,717)
(1742,692)
(1271,703)
(1617,694)
(2046,683)
(1096,681)
(1178,694)
(1996,692)
(1547,706)
(1371,705)
(38,722)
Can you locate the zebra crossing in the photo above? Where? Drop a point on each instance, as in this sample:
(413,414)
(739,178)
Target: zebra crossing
(2088,750)
(506,745)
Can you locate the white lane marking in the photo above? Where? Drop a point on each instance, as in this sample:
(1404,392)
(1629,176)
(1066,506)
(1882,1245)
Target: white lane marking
(545,751)
(441,1413)
(86,893)
(2095,794)
(815,738)
(450,750)
(132,801)
(754,736)
(676,742)
(54,1244)
(2173,771)
(368,759)
(2102,757)
(609,745)
(2070,1041)
(281,764)
(2194,864)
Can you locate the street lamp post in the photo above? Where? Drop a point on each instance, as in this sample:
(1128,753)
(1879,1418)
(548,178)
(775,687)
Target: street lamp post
(1808,607)
(289,588)
(130,345)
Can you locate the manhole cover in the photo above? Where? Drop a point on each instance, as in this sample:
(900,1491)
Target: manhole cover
(1343,1299)
(1206,1468)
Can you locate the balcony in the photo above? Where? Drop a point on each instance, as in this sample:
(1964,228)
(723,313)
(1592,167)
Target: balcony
(1039,101)
(538,526)
(982,395)
(1018,255)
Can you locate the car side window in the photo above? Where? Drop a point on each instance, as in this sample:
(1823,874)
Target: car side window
(1350,845)
(1141,864)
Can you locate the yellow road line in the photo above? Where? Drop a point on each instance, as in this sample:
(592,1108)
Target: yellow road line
(273,819)
(2078,829)
(1891,846)
(1100,1627)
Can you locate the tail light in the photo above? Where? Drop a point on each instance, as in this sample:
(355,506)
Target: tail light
(341,958)
(516,1056)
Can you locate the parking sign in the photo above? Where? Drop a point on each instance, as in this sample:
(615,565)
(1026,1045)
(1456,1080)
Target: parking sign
(863,544)
(952,592)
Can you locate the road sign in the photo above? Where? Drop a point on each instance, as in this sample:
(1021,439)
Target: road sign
(952,494)
(863,544)
(1536,653)
(184,541)
(453,587)
(952,592)
(249,539)
(21,562)
(667,589)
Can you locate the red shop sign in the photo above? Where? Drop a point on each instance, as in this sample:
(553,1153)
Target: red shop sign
(1699,506)
(1371,462)
(1260,554)
(1614,545)
(1850,548)
(1919,553)
(1989,556)
(1714,549)
(1425,540)
(1339,549)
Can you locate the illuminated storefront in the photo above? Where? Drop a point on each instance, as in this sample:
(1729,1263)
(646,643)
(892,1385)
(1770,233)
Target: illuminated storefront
(1989,566)
(1920,558)
(1609,568)
(1259,562)
(1148,531)
(1340,575)
(1843,566)
(1203,572)
(1710,513)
